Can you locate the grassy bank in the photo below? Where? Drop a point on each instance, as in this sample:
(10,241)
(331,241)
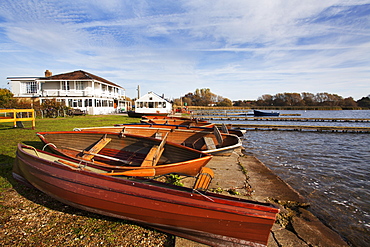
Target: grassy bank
(30,218)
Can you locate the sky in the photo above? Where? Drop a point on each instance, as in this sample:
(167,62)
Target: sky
(239,49)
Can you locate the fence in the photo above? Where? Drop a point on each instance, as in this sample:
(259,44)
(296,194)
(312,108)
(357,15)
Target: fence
(17,116)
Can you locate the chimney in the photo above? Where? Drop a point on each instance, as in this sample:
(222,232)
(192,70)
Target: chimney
(48,73)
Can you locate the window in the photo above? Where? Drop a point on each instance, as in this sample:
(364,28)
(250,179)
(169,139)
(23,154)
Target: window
(62,101)
(31,87)
(79,85)
(88,102)
(65,85)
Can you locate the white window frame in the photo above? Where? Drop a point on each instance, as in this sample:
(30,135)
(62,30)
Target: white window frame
(31,87)
(65,85)
(79,85)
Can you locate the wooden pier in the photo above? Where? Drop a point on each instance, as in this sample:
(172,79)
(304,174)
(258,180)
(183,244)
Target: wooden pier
(249,127)
(293,119)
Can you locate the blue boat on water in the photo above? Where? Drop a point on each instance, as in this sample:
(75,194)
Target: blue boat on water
(262,113)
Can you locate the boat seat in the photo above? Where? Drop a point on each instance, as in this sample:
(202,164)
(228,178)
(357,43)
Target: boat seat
(209,143)
(96,148)
(224,129)
(203,179)
(218,135)
(154,154)
(152,157)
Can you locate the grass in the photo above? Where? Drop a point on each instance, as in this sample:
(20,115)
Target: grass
(30,218)
(10,136)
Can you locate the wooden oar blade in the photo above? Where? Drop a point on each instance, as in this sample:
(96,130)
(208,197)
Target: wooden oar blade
(150,172)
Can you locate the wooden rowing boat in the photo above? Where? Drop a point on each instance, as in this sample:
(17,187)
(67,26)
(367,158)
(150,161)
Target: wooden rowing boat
(211,142)
(223,128)
(175,121)
(138,155)
(205,217)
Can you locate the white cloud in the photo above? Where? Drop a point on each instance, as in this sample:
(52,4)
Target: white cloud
(239,49)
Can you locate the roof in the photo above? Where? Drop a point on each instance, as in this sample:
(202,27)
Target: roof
(79,75)
(22,77)
(146,97)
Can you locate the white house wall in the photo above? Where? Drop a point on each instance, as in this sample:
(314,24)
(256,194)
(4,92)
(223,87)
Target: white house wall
(16,88)
(152,103)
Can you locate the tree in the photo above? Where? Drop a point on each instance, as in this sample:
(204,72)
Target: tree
(265,100)
(364,102)
(204,97)
(326,99)
(201,97)
(348,102)
(293,99)
(308,98)
(6,98)
(225,102)
(280,100)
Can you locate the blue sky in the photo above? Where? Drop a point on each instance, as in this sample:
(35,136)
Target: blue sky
(240,49)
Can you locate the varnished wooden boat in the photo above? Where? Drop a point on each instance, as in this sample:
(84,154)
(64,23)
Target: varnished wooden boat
(138,155)
(175,121)
(205,217)
(212,142)
(223,129)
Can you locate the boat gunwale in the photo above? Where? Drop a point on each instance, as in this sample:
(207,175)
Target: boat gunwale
(179,126)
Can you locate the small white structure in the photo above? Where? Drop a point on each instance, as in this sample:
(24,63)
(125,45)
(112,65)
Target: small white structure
(151,104)
(77,89)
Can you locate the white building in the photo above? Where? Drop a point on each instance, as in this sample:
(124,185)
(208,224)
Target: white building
(77,89)
(151,104)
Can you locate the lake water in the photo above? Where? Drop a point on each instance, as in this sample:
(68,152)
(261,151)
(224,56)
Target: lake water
(332,170)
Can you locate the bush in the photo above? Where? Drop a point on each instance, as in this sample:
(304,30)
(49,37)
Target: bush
(52,108)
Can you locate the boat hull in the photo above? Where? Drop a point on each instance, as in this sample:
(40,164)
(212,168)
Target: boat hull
(261,113)
(141,114)
(211,219)
(128,148)
(175,121)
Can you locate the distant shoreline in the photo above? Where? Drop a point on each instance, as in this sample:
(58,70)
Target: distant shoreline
(315,108)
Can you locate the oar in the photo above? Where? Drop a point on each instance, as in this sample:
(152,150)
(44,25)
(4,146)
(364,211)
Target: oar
(147,172)
(150,172)
(100,155)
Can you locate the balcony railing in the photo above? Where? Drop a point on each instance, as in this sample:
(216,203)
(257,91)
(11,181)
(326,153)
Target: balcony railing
(81,93)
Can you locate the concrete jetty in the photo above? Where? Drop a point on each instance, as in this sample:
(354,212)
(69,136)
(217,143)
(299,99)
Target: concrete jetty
(247,177)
